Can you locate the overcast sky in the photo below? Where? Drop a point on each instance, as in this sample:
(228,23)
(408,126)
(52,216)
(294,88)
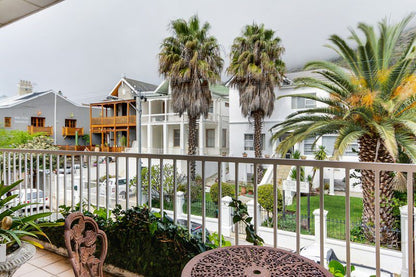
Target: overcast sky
(83,47)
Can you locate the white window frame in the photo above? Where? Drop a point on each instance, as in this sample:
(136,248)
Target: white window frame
(306,103)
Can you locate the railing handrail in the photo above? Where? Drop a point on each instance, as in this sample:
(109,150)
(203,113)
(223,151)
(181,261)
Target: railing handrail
(411,168)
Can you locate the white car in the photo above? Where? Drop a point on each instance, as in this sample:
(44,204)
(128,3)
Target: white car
(122,188)
(34,197)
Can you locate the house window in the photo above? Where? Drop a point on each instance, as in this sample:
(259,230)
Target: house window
(227,104)
(176,138)
(210,137)
(307,146)
(224,138)
(329,142)
(303,103)
(249,141)
(211,107)
(352,149)
(71,123)
(7,122)
(37,121)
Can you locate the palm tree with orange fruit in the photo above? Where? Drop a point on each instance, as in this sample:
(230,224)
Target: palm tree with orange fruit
(372,102)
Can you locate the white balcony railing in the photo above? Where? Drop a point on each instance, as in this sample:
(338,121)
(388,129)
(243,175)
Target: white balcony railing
(68,177)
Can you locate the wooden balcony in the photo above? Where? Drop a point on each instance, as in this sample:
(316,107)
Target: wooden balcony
(128,120)
(70,131)
(34,129)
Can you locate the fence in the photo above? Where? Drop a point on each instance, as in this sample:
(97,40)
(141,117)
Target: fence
(47,171)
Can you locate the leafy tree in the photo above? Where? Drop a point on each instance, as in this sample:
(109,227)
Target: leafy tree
(167,179)
(371,102)
(196,189)
(257,68)
(191,60)
(226,189)
(14,138)
(266,199)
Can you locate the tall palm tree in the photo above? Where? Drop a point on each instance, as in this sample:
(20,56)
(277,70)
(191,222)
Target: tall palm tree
(191,60)
(257,68)
(371,102)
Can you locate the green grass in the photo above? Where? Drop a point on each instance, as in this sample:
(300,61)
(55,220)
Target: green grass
(334,204)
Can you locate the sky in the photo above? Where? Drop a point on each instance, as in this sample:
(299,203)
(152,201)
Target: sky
(84,47)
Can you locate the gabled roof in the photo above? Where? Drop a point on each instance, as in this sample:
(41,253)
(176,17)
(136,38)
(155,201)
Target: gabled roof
(134,85)
(19,99)
(219,90)
(140,86)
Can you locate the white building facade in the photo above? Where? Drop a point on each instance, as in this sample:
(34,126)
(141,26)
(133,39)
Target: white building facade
(242,129)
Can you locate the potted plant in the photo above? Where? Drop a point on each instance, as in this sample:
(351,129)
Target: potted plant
(17,232)
(243,190)
(244,154)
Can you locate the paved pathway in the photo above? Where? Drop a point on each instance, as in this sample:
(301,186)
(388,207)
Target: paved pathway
(46,264)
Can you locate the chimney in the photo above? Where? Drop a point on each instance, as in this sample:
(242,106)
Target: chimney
(25,87)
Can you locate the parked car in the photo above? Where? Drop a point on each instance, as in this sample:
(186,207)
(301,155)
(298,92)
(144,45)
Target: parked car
(196,228)
(35,197)
(122,187)
(66,170)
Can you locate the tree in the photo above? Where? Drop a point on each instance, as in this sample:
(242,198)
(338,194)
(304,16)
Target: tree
(167,179)
(372,102)
(257,68)
(191,60)
(266,200)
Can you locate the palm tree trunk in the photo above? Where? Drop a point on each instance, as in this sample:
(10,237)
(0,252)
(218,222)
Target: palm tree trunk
(373,150)
(192,137)
(258,122)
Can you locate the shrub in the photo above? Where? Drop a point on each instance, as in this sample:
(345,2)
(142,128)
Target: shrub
(196,189)
(266,197)
(143,242)
(227,190)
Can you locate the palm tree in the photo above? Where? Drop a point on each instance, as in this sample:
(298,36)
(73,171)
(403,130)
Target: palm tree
(371,102)
(257,68)
(191,60)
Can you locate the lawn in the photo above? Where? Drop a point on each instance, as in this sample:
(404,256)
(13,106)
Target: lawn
(334,204)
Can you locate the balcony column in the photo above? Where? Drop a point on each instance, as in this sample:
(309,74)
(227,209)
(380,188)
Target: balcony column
(220,138)
(201,136)
(182,136)
(165,138)
(149,128)
(404,223)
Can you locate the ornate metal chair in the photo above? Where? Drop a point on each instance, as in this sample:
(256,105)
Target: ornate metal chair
(81,233)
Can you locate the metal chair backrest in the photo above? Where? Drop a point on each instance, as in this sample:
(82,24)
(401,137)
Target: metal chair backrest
(81,234)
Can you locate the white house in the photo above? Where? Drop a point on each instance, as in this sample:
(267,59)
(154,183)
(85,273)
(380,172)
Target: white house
(242,129)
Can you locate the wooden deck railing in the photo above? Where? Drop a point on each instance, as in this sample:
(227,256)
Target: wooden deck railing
(34,129)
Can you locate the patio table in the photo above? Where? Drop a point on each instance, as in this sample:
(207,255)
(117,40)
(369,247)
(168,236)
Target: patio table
(248,260)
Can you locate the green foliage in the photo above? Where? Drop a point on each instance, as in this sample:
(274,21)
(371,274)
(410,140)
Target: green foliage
(293,172)
(337,269)
(39,143)
(320,154)
(14,138)
(191,60)
(215,242)
(266,197)
(167,179)
(158,243)
(257,68)
(17,228)
(227,190)
(196,189)
(241,215)
(86,139)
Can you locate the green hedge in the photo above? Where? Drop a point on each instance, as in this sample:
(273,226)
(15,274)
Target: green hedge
(227,190)
(143,242)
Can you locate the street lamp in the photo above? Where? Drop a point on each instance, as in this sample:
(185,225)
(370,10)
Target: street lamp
(138,108)
(139,97)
